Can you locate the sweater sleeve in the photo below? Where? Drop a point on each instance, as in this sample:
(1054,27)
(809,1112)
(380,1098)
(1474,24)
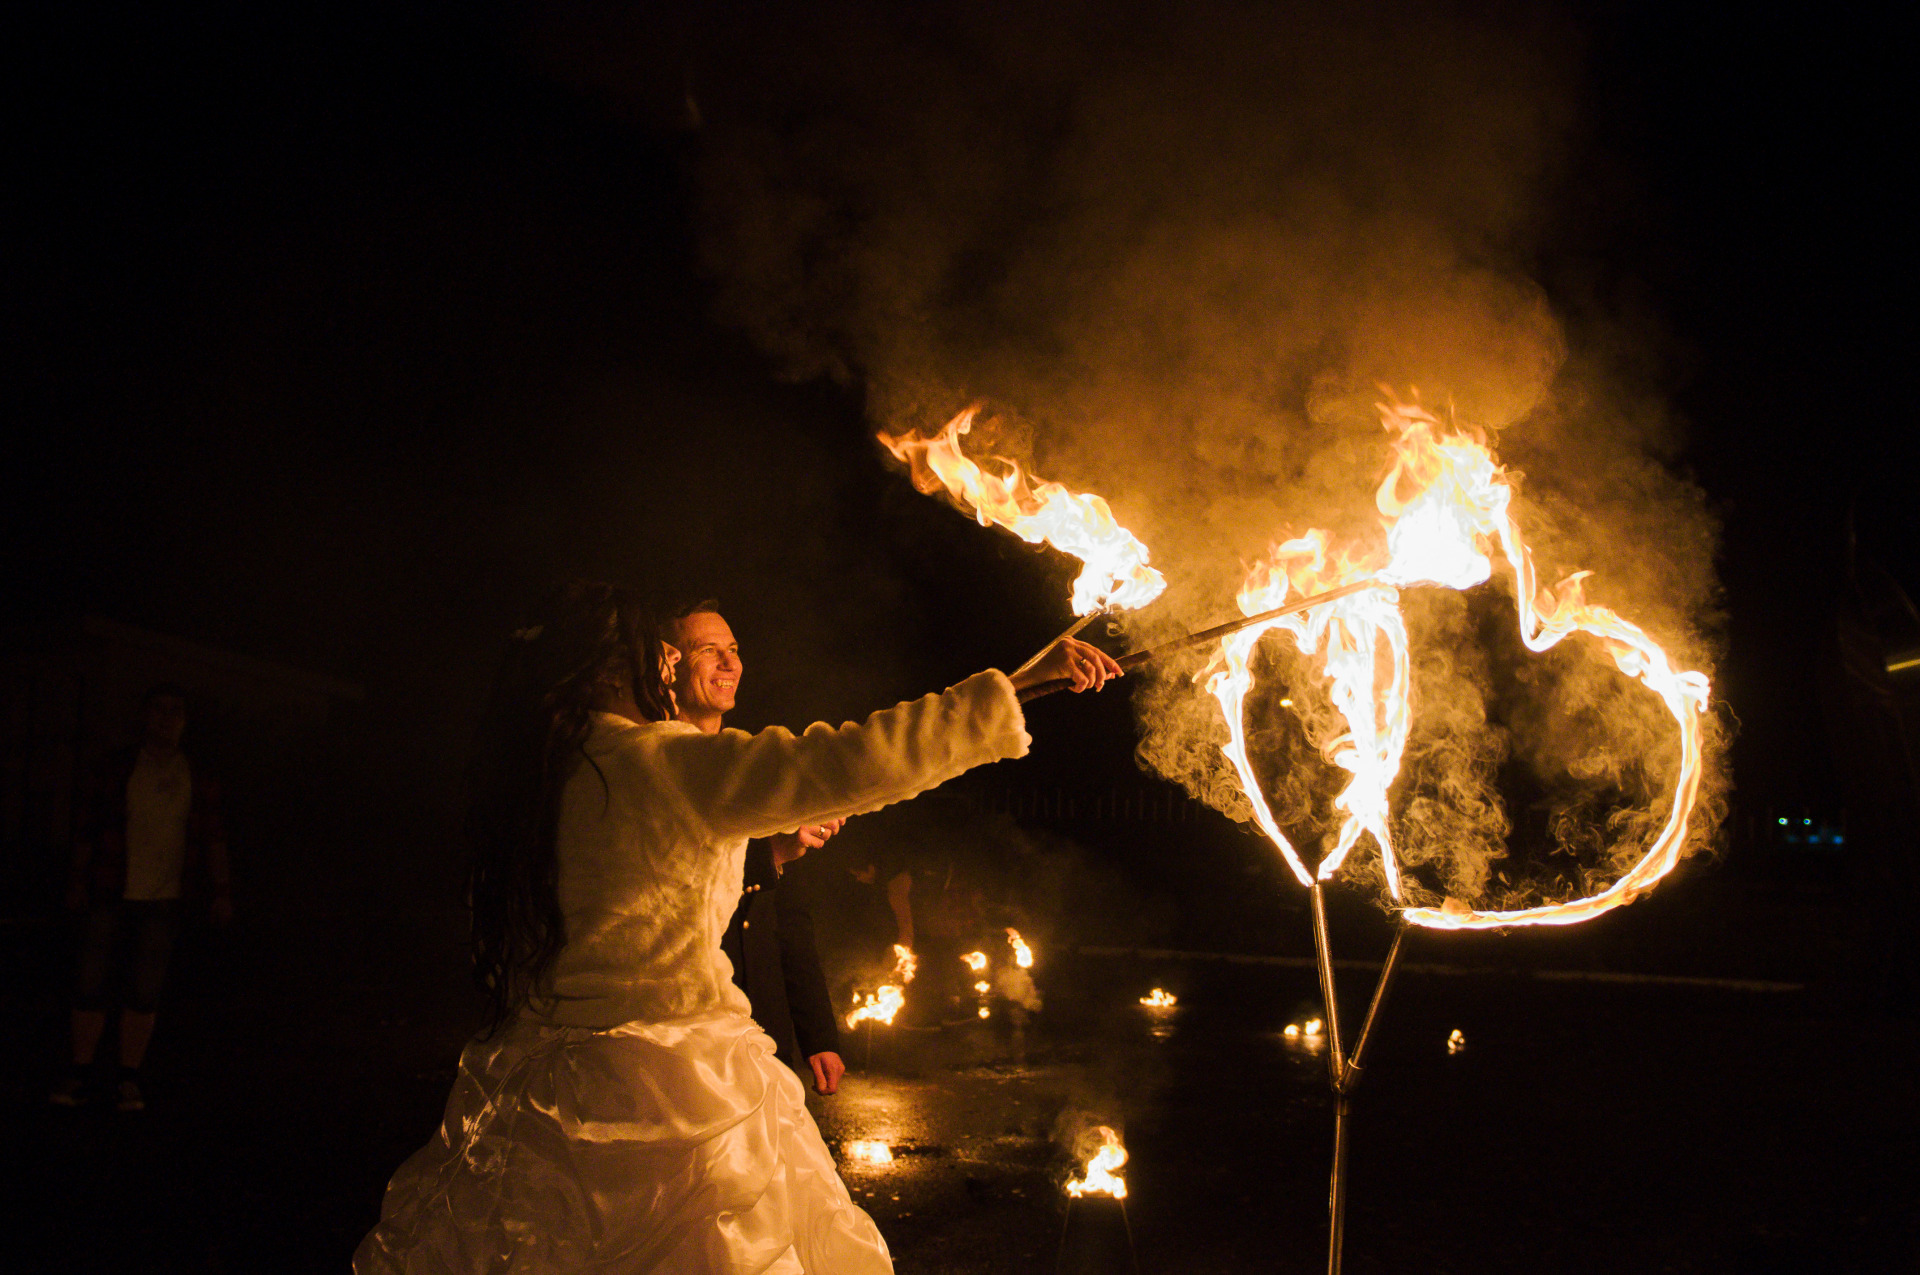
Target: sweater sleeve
(745,785)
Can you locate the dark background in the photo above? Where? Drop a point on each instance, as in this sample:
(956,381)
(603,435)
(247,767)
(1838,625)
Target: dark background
(331,335)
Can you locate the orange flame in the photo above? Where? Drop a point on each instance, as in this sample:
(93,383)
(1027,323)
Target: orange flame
(1159,998)
(1446,503)
(1100,1178)
(975,961)
(881,1005)
(1022,954)
(1116,574)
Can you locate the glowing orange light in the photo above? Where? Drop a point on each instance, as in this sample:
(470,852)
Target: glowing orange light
(1159,998)
(869,1151)
(1022,954)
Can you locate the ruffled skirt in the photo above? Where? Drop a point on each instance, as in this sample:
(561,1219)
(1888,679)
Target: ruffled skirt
(675,1147)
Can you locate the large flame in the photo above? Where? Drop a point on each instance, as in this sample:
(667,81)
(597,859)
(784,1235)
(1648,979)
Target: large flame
(1116,574)
(1446,502)
(1100,1178)
(882,1004)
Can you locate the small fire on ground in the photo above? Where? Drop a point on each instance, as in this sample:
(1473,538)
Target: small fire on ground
(1456,1041)
(881,1005)
(1159,998)
(1022,954)
(869,1151)
(1100,1177)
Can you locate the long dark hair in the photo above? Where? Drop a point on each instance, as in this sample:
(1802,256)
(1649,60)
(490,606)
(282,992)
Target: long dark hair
(589,639)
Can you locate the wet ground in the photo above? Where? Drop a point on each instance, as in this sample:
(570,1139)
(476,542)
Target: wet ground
(1584,1127)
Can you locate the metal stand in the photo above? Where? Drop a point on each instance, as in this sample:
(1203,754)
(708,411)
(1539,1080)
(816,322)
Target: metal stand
(1066,1224)
(1343,1070)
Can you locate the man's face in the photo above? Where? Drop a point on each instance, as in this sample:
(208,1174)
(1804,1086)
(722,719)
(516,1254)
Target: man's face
(709,672)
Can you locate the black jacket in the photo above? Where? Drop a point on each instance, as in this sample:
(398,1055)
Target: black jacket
(770,942)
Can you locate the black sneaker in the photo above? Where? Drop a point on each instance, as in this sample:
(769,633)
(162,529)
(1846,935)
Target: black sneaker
(130,1099)
(69,1091)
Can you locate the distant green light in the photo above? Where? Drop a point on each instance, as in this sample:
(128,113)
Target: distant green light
(1783,823)
(1807,822)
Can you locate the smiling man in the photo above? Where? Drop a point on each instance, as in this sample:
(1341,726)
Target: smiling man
(710,668)
(770,938)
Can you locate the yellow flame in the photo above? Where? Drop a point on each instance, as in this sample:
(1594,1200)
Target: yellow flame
(1446,504)
(869,1151)
(985,1012)
(1159,998)
(975,961)
(1456,1041)
(1022,954)
(1116,574)
(881,1005)
(983,987)
(1100,1178)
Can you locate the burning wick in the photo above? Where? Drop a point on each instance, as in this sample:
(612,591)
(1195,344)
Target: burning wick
(1101,1179)
(983,987)
(975,961)
(985,1012)
(1022,954)
(869,1151)
(880,1006)
(1159,998)
(1456,1041)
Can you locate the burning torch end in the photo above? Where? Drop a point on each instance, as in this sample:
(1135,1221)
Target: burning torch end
(1128,663)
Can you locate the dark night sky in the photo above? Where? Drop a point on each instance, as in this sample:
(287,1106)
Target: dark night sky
(332,334)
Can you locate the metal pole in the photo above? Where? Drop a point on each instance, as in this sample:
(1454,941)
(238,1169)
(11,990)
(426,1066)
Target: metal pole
(1337,1187)
(1351,1076)
(1336,1058)
(1133,661)
(1071,629)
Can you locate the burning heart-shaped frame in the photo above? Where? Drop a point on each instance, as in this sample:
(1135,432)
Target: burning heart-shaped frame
(1459,505)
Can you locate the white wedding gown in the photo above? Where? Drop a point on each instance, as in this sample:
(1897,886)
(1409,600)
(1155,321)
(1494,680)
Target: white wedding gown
(642,1122)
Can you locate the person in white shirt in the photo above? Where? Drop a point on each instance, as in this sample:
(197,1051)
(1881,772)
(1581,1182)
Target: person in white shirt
(621,1111)
(150,831)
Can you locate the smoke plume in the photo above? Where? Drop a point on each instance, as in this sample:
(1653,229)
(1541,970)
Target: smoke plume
(1177,250)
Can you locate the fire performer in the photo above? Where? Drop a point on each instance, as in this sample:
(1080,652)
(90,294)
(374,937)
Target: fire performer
(769,941)
(620,1111)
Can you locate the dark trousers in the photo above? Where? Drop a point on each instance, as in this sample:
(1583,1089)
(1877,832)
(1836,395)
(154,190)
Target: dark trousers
(134,934)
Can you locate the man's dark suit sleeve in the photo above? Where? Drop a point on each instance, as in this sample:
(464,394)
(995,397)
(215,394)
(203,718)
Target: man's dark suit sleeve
(814,1023)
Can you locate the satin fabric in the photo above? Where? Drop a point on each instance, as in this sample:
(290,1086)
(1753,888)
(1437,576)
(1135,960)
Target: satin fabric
(650,1147)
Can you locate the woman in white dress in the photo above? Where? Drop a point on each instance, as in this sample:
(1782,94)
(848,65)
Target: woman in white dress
(621,1112)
